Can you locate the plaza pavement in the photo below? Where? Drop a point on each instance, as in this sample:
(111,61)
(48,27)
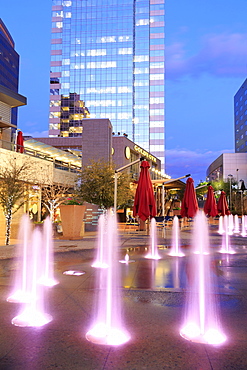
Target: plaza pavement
(152,300)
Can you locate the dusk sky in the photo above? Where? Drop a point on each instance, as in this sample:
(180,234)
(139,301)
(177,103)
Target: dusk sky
(206,63)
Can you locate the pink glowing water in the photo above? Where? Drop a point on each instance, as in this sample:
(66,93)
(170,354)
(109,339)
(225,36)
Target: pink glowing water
(230,224)
(221,225)
(22,286)
(236,225)
(47,256)
(226,248)
(153,254)
(176,250)
(100,261)
(32,313)
(201,322)
(108,327)
(243,227)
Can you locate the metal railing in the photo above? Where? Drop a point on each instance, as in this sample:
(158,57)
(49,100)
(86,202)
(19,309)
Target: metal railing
(37,154)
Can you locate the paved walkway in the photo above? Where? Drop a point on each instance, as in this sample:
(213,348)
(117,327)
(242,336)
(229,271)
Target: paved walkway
(152,305)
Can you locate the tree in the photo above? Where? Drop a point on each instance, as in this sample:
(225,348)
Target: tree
(96,185)
(52,196)
(13,190)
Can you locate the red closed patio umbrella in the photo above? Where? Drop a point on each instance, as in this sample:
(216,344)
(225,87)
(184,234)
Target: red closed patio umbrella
(144,203)
(19,142)
(222,205)
(210,206)
(189,206)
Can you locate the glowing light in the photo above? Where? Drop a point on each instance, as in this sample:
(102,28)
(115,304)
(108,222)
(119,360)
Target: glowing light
(74,273)
(30,317)
(212,336)
(153,241)
(175,250)
(126,259)
(107,327)
(225,248)
(101,334)
(202,322)
(19,296)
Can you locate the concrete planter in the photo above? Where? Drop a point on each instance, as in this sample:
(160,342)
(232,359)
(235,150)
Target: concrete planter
(72,221)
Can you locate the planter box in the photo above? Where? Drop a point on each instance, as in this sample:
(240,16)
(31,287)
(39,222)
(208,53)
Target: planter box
(72,221)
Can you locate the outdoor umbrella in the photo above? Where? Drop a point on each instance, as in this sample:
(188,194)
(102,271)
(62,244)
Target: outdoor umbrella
(144,203)
(210,206)
(222,205)
(189,206)
(19,142)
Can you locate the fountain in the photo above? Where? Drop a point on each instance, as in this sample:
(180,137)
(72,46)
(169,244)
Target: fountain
(243,228)
(225,248)
(22,288)
(221,225)
(107,327)
(236,224)
(153,241)
(47,277)
(33,312)
(201,322)
(175,250)
(230,224)
(100,261)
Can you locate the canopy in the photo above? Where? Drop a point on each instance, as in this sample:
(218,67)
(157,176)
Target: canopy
(189,206)
(144,203)
(210,206)
(222,205)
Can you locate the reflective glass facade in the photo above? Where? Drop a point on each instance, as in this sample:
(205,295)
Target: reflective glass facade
(110,54)
(9,65)
(240,119)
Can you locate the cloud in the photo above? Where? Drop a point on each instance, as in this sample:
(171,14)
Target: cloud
(36,133)
(182,161)
(222,55)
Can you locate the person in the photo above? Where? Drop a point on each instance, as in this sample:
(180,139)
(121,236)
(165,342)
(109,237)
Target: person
(130,219)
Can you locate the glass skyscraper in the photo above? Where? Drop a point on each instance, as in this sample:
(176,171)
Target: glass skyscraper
(107,61)
(9,65)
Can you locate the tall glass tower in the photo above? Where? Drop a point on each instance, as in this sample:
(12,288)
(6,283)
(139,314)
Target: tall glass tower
(107,61)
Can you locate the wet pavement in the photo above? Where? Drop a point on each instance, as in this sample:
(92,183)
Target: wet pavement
(153,294)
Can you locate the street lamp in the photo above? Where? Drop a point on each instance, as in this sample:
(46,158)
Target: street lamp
(230,199)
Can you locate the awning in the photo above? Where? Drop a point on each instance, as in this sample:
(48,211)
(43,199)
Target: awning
(171,185)
(5,125)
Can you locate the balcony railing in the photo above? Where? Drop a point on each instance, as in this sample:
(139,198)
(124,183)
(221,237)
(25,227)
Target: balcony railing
(65,166)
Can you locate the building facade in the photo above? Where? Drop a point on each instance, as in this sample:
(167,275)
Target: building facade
(9,97)
(228,165)
(240,119)
(111,56)
(9,65)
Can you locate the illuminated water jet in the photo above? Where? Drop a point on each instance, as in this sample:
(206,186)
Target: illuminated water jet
(236,225)
(33,312)
(22,286)
(225,248)
(101,246)
(243,228)
(153,254)
(107,327)
(47,256)
(221,229)
(175,250)
(126,259)
(201,323)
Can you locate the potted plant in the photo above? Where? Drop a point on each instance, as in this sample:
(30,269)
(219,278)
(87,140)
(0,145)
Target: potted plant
(72,214)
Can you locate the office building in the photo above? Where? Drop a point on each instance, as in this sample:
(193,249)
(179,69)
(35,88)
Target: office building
(9,97)
(110,56)
(240,119)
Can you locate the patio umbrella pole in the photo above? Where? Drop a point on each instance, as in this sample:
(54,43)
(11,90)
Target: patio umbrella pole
(115,180)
